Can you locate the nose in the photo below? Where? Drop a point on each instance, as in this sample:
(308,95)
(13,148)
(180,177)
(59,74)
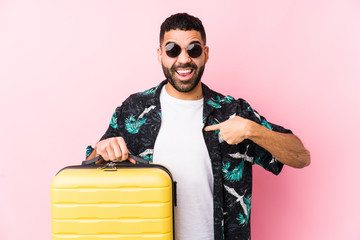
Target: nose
(183,57)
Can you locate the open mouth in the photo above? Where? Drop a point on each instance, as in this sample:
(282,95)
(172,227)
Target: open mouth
(184,73)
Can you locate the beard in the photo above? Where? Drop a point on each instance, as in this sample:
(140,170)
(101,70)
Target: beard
(184,86)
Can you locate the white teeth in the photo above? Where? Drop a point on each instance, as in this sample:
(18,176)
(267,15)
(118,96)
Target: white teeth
(184,71)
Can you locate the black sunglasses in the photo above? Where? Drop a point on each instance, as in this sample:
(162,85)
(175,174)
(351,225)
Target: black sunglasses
(173,50)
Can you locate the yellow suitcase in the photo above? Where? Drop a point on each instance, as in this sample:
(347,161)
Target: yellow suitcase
(113,201)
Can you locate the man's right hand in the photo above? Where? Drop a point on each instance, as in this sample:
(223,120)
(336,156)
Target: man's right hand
(112,149)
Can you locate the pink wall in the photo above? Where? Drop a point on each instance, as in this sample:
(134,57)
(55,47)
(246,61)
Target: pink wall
(66,65)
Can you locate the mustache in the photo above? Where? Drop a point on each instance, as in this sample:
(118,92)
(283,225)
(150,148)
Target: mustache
(186,65)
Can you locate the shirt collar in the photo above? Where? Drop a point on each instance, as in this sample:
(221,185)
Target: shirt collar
(208,95)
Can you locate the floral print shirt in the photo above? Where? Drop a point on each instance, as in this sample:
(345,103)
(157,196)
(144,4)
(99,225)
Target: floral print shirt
(138,121)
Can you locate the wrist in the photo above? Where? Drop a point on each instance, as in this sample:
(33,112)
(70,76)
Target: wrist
(251,130)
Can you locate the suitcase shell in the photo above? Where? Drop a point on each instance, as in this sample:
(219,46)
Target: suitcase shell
(125,202)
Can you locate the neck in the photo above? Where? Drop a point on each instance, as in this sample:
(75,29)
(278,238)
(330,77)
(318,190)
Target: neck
(194,94)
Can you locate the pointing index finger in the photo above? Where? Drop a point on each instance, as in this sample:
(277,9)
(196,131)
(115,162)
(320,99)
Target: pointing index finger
(212,127)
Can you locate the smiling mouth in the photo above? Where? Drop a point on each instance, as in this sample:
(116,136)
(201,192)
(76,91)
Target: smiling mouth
(184,72)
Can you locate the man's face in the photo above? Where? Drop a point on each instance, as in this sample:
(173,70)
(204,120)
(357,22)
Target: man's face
(183,71)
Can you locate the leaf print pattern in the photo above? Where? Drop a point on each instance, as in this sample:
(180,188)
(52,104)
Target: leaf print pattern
(216,103)
(266,124)
(89,150)
(243,219)
(234,175)
(257,161)
(149,157)
(228,99)
(147,154)
(113,122)
(149,91)
(132,125)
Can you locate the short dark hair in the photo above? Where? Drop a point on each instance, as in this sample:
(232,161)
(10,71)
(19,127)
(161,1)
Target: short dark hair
(182,21)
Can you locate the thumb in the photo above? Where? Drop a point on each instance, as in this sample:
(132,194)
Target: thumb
(131,160)
(212,127)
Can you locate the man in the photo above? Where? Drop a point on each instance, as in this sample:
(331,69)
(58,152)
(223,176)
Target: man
(208,141)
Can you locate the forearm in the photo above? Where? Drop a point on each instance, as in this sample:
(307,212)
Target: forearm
(285,147)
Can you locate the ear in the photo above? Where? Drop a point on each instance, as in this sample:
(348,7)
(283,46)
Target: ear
(159,52)
(206,52)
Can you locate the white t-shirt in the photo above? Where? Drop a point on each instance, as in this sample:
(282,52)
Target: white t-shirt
(180,146)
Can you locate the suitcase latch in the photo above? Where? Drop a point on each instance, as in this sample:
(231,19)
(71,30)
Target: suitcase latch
(110,165)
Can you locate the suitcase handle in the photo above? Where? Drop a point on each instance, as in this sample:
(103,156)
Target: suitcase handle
(137,159)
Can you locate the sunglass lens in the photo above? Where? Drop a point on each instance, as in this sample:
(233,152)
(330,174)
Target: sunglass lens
(172,50)
(194,50)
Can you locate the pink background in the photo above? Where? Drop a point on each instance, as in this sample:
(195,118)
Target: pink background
(66,65)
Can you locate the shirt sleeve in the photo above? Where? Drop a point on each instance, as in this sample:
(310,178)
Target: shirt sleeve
(112,131)
(89,150)
(262,157)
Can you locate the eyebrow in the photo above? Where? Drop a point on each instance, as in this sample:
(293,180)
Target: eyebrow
(196,41)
